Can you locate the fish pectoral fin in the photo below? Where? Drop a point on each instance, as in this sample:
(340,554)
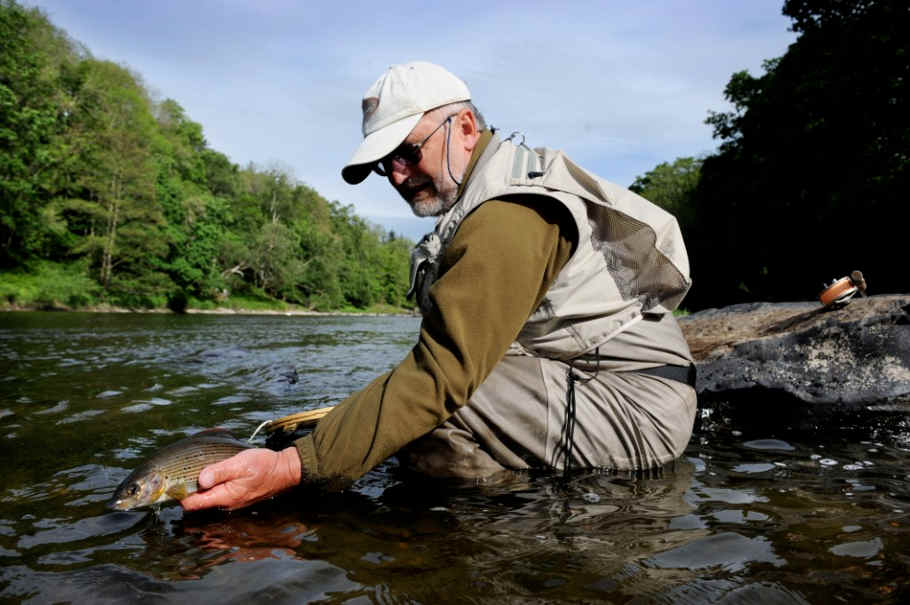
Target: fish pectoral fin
(178,491)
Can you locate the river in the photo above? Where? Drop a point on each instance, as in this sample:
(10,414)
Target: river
(802,508)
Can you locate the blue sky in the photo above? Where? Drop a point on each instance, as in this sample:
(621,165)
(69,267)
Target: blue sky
(620,86)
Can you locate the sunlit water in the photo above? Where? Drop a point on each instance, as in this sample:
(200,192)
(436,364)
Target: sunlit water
(765,507)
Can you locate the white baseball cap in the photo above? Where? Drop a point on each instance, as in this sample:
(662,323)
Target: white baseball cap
(394,104)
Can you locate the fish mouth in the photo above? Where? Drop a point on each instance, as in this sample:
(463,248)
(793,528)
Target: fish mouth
(117,504)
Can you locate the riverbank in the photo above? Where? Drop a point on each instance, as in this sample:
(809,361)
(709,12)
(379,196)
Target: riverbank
(375,311)
(49,286)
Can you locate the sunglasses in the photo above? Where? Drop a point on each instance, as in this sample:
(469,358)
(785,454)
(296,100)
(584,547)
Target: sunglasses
(407,154)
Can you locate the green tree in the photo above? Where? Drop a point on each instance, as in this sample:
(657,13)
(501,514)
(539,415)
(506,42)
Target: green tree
(321,249)
(117,174)
(197,217)
(672,187)
(813,165)
(394,270)
(32,53)
(274,260)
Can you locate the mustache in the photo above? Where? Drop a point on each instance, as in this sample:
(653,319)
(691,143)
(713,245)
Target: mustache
(411,186)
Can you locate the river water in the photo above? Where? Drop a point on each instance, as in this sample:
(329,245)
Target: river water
(763,508)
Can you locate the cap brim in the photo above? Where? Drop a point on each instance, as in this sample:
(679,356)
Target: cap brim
(376,146)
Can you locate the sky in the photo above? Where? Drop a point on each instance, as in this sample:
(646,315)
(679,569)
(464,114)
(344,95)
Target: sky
(619,86)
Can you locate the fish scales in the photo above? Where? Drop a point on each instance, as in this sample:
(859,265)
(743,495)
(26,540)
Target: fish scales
(186,463)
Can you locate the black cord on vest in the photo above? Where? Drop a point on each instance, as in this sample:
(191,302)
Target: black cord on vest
(568,434)
(568,431)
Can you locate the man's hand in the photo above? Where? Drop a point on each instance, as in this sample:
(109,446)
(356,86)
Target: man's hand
(248,477)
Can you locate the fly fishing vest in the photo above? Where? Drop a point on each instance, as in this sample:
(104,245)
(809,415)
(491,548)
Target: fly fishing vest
(630,259)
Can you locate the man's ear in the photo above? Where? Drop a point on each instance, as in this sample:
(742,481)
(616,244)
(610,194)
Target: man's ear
(466,123)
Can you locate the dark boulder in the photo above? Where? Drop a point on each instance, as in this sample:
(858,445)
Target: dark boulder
(850,357)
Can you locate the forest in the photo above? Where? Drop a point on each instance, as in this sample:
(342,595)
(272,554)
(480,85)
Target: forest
(812,167)
(108,196)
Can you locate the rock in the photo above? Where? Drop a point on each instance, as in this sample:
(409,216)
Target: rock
(854,356)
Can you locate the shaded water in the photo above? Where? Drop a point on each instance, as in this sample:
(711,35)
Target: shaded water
(780,509)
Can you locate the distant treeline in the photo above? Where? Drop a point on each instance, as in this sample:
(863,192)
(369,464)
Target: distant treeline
(811,178)
(109,196)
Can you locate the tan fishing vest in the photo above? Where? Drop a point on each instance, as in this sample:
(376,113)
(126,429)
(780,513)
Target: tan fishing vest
(630,259)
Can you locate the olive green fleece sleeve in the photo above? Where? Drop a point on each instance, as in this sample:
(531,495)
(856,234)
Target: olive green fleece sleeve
(492,276)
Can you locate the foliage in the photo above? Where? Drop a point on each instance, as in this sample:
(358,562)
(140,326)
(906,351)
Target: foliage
(47,284)
(33,55)
(671,186)
(95,175)
(813,165)
(118,221)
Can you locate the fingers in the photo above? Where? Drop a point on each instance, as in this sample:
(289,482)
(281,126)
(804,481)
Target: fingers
(219,472)
(215,484)
(218,496)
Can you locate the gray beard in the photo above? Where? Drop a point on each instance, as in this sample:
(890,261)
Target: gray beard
(435,206)
(430,207)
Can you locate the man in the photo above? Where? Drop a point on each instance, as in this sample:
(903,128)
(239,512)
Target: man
(547,337)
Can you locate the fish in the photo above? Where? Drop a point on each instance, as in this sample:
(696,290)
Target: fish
(172,472)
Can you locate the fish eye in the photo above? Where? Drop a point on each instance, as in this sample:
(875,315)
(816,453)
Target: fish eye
(133,490)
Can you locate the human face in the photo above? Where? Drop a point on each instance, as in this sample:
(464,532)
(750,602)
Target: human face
(406,153)
(422,178)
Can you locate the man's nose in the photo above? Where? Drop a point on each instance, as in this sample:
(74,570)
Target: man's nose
(400,173)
